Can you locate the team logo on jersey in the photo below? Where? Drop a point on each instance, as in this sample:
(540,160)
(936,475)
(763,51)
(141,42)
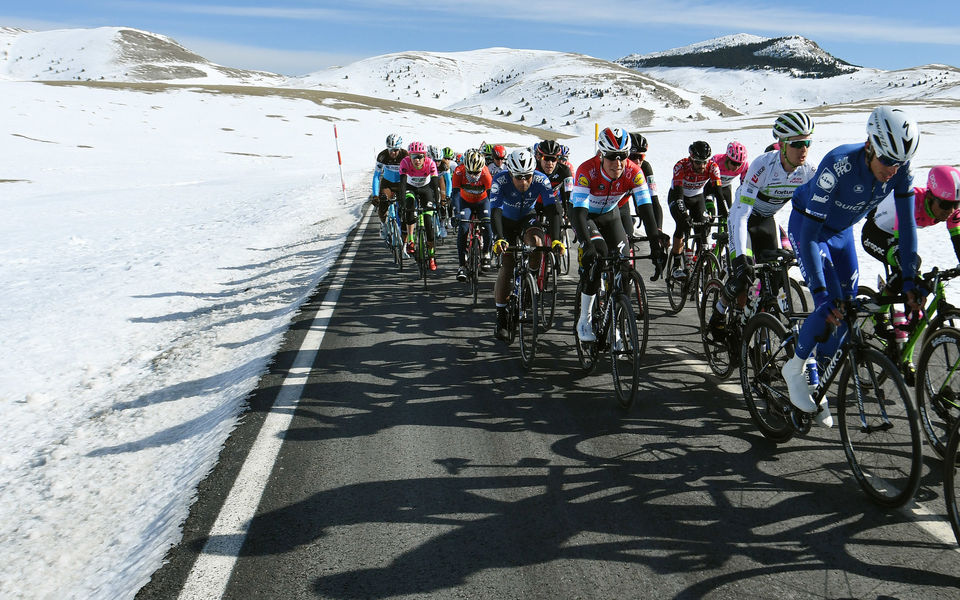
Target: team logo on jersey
(819,198)
(858,189)
(638,179)
(602,187)
(842,166)
(826,181)
(583,181)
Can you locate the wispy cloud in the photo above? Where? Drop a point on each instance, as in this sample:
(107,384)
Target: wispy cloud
(284,62)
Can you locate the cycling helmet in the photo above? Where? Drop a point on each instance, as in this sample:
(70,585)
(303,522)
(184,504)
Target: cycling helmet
(792,124)
(736,152)
(638,143)
(944,183)
(434,152)
(700,151)
(499,151)
(473,161)
(614,140)
(892,133)
(548,148)
(416,148)
(520,162)
(564,151)
(394,141)
(448,153)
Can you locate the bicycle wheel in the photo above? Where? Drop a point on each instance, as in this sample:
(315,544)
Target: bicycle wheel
(473,267)
(624,351)
(798,299)
(706,268)
(565,256)
(587,353)
(676,287)
(636,291)
(879,429)
(938,386)
(548,295)
(951,483)
(716,348)
(528,320)
(762,355)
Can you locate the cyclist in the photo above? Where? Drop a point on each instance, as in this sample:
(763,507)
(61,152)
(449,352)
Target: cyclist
(498,154)
(513,196)
(565,155)
(937,203)
(599,185)
(449,163)
(420,177)
(851,181)
(769,186)
(732,164)
(386,178)
(694,178)
(638,154)
(471,189)
(547,154)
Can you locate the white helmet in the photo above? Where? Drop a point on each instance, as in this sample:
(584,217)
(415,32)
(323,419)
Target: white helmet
(521,162)
(792,124)
(893,134)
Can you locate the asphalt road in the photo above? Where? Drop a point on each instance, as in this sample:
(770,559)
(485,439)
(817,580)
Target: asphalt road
(422,461)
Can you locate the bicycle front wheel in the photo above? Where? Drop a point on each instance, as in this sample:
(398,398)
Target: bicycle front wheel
(587,352)
(624,351)
(938,386)
(473,268)
(762,356)
(951,482)
(528,320)
(879,429)
(707,268)
(636,290)
(676,286)
(716,345)
(548,295)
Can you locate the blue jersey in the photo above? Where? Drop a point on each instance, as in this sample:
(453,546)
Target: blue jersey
(516,205)
(841,193)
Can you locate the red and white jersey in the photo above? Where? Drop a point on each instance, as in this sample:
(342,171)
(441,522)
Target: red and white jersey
(692,182)
(418,177)
(726,175)
(596,192)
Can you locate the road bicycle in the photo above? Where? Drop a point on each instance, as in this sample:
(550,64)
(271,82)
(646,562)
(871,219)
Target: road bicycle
(474,255)
(878,423)
(695,265)
(615,327)
(523,315)
(394,237)
(422,253)
(951,482)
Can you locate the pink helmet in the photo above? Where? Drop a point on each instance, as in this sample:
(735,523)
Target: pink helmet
(736,152)
(416,148)
(944,183)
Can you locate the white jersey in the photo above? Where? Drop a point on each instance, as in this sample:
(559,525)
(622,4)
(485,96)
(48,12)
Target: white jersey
(766,188)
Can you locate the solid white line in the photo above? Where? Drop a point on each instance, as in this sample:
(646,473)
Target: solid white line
(209,576)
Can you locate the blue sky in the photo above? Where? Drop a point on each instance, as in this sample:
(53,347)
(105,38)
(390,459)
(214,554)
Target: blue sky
(295,37)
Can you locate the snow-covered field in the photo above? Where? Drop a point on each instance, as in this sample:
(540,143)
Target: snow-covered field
(155,244)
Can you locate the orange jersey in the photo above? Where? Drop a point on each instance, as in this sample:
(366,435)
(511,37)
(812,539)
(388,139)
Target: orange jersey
(472,191)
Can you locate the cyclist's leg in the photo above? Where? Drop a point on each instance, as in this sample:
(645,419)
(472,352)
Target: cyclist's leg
(695,208)
(465,212)
(626,217)
(487,229)
(677,206)
(590,278)
(428,203)
(764,236)
(504,284)
(409,218)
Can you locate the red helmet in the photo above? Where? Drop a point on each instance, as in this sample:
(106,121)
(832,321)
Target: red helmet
(499,151)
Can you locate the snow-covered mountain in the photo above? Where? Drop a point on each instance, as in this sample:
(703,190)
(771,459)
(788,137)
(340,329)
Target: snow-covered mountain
(554,90)
(111,54)
(793,54)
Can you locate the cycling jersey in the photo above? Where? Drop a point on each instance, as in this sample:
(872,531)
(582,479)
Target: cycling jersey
(447,176)
(494,169)
(418,177)
(596,192)
(691,181)
(885,216)
(388,167)
(767,188)
(726,175)
(472,192)
(515,204)
(561,180)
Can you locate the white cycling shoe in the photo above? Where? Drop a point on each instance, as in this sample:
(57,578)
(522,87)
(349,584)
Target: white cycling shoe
(585,331)
(796,378)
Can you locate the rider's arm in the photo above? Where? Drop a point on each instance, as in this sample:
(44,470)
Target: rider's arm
(497,222)
(737,222)
(435,184)
(953,226)
(448,183)
(579,221)
(903,198)
(376,179)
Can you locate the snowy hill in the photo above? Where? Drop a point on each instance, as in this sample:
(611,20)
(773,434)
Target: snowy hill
(794,54)
(553,90)
(111,54)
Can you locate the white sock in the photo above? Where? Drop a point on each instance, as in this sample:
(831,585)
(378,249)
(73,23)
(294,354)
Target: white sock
(586,306)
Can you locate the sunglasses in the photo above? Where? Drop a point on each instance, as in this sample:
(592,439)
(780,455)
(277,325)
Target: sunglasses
(943,204)
(734,163)
(526,177)
(621,156)
(548,158)
(417,156)
(393,149)
(888,162)
(799,143)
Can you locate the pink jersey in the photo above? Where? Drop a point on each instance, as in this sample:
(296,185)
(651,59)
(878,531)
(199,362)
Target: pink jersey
(419,177)
(886,215)
(726,175)
(692,182)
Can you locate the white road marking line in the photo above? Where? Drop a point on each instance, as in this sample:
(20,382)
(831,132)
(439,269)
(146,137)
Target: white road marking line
(210,574)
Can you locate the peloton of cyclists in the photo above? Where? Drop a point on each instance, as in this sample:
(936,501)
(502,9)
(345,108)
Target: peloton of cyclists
(513,198)
(850,182)
(694,178)
(599,185)
(768,187)
(471,189)
(386,178)
(420,177)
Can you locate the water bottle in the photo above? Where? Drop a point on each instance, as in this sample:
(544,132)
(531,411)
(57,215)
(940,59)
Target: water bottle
(813,376)
(689,256)
(782,301)
(899,326)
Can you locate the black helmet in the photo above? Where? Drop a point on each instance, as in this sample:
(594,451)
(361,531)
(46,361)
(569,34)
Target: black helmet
(700,151)
(638,143)
(549,148)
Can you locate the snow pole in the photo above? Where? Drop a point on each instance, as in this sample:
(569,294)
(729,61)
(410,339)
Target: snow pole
(596,136)
(343,183)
